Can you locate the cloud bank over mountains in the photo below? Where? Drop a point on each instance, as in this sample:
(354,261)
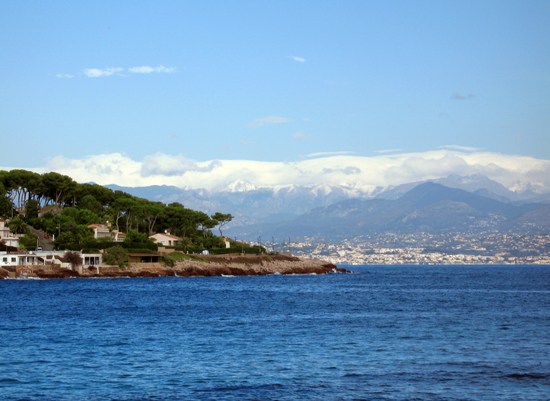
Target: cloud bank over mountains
(361,174)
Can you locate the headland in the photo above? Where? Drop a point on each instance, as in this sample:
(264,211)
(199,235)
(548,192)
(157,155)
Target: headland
(203,265)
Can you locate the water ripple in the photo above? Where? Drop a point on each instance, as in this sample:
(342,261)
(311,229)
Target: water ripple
(431,333)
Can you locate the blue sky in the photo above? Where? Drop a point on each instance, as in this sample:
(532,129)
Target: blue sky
(275,81)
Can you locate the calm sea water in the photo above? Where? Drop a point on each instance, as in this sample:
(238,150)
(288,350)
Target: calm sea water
(383,333)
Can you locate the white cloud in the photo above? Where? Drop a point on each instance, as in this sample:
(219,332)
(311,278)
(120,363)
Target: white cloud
(102,72)
(269,120)
(301,136)
(386,151)
(114,71)
(67,76)
(460,148)
(423,167)
(359,173)
(350,170)
(167,165)
(145,69)
(298,59)
(328,154)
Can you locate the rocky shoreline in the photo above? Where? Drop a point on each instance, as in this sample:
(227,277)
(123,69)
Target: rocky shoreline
(222,265)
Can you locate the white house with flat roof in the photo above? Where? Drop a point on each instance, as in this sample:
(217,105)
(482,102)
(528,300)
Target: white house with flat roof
(46,258)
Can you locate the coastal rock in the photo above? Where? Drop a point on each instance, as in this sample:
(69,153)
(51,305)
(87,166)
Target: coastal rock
(252,265)
(221,265)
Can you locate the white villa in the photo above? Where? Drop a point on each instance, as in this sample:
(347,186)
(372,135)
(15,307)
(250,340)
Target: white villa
(103,231)
(165,239)
(46,258)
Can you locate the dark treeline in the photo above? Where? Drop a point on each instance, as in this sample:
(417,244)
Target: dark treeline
(64,209)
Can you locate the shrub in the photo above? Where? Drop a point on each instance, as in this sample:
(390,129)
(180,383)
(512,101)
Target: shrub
(116,255)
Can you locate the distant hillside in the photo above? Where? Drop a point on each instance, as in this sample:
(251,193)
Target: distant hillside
(453,203)
(273,205)
(264,205)
(428,207)
(472,183)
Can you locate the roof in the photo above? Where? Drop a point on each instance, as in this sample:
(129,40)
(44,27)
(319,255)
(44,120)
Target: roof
(166,235)
(103,226)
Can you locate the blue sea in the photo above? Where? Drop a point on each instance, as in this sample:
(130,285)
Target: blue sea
(381,333)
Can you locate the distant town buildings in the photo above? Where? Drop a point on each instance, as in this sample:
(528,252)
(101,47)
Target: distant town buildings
(429,248)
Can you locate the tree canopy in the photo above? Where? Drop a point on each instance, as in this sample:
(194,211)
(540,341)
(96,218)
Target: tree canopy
(64,209)
(221,220)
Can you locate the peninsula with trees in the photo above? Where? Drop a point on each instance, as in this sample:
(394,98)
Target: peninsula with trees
(52,226)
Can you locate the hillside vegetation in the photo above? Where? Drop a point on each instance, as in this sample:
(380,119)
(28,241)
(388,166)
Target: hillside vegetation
(63,210)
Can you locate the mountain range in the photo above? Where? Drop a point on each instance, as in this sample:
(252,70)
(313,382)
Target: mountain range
(428,207)
(455,203)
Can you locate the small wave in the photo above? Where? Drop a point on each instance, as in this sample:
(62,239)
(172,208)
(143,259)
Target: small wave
(244,387)
(19,328)
(273,386)
(21,278)
(354,374)
(529,376)
(9,380)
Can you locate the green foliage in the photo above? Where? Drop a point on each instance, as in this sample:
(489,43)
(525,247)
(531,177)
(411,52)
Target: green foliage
(89,202)
(80,216)
(20,186)
(221,219)
(178,256)
(134,236)
(94,246)
(63,208)
(17,225)
(73,237)
(245,249)
(28,242)
(31,211)
(140,250)
(116,255)
(138,242)
(6,207)
(171,259)
(93,197)
(185,245)
(58,187)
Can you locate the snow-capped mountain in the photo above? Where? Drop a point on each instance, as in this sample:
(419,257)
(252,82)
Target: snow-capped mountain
(254,206)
